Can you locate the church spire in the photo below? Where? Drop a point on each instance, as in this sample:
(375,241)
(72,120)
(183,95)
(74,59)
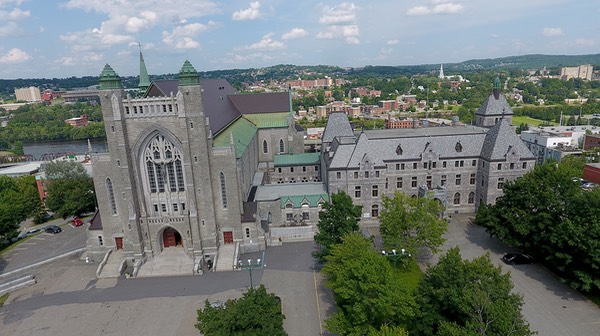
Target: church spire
(441,76)
(496,89)
(144,78)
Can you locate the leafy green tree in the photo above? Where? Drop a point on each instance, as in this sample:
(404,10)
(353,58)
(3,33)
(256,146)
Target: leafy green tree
(366,290)
(338,217)
(462,297)
(256,313)
(18,200)
(70,188)
(411,223)
(389,331)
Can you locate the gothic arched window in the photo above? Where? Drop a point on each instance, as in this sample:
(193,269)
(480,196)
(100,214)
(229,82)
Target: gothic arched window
(471,198)
(281,146)
(223,190)
(164,167)
(111,196)
(265,147)
(457,198)
(399,150)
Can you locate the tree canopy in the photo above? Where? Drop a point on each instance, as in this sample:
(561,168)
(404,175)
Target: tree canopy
(70,188)
(18,200)
(338,217)
(366,290)
(256,313)
(463,297)
(547,213)
(411,223)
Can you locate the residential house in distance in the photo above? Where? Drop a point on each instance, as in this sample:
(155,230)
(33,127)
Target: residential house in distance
(82,120)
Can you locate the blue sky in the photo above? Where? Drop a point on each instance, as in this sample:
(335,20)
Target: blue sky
(42,38)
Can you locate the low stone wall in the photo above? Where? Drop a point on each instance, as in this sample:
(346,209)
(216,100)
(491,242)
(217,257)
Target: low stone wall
(298,233)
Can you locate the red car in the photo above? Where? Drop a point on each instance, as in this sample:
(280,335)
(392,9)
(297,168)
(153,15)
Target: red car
(77,222)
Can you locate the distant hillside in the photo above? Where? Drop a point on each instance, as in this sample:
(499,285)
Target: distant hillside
(535,61)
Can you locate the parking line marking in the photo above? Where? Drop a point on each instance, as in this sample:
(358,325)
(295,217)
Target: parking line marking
(318,307)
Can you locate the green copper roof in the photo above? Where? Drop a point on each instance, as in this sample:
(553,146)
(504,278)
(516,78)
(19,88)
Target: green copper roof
(243,131)
(302,159)
(109,79)
(297,200)
(497,83)
(144,78)
(188,75)
(268,120)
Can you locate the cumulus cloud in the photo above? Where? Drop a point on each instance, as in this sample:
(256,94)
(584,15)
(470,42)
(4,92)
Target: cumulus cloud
(340,22)
(552,31)
(251,13)
(14,56)
(294,34)
(438,8)
(392,42)
(182,36)
(145,20)
(266,43)
(10,29)
(585,42)
(237,59)
(14,15)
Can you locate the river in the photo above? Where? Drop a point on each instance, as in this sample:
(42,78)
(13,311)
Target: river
(78,147)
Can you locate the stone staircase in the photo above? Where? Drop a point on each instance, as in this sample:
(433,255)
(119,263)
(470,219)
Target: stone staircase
(226,258)
(111,269)
(171,261)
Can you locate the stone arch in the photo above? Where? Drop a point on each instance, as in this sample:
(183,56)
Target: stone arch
(170,237)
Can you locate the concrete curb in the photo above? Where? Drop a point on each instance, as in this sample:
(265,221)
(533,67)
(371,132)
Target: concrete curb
(47,261)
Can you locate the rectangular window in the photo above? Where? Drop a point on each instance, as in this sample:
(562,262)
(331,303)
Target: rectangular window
(355,175)
(499,166)
(175,207)
(435,165)
(366,174)
(455,163)
(402,166)
(458,179)
(500,182)
(305,215)
(414,165)
(289,216)
(443,164)
(399,182)
(182,206)
(155,207)
(163,207)
(512,165)
(474,163)
(472,179)
(428,181)
(462,163)
(357,191)
(413,182)
(397,166)
(338,175)
(524,165)
(377,173)
(443,180)
(375,190)
(425,165)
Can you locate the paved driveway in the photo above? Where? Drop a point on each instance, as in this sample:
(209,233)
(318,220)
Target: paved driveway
(552,308)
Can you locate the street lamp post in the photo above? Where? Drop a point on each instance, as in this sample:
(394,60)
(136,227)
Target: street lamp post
(394,255)
(250,266)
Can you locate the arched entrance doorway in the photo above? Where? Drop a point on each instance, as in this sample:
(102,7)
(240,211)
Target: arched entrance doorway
(171,237)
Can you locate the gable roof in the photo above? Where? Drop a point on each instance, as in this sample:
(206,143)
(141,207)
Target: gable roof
(242,131)
(337,126)
(250,103)
(501,139)
(302,159)
(493,106)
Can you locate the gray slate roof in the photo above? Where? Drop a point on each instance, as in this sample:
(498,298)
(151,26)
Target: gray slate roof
(501,139)
(495,107)
(261,102)
(337,125)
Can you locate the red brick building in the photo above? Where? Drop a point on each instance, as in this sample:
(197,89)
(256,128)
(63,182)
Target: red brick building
(591,141)
(591,172)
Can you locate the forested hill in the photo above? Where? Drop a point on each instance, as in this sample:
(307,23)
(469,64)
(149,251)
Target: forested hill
(287,71)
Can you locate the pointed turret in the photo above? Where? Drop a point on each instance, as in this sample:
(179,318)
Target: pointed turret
(441,76)
(109,79)
(496,89)
(144,78)
(188,75)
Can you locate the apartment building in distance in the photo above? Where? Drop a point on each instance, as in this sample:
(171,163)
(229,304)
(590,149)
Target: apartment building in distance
(29,94)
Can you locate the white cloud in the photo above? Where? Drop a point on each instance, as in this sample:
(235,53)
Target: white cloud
(182,36)
(294,34)
(15,14)
(438,8)
(10,29)
(13,56)
(392,42)
(145,20)
(251,13)
(585,42)
(340,22)
(266,43)
(237,59)
(552,31)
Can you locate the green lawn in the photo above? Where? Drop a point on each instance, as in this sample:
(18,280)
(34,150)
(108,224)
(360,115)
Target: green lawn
(410,275)
(518,120)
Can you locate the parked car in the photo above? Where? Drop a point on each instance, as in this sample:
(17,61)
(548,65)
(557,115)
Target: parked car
(518,258)
(77,222)
(52,229)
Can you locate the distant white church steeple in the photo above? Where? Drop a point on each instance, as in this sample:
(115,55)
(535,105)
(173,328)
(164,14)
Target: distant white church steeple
(441,76)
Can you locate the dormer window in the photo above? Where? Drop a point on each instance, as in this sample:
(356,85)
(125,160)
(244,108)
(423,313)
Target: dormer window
(399,150)
(458,147)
